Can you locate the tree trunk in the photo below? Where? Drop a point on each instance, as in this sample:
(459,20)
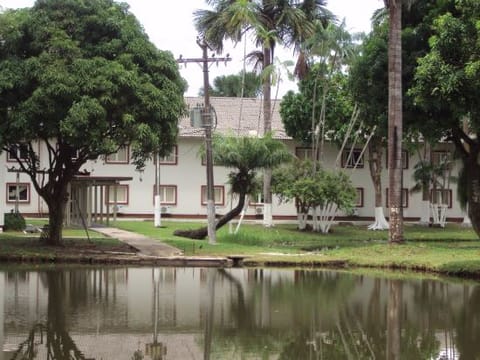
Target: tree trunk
(394,318)
(473,190)
(267,127)
(59,343)
(425,206)
(56,214)
(395,121)
(375,151)
(200,234)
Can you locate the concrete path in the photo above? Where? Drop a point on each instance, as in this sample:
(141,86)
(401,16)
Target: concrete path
(146,246)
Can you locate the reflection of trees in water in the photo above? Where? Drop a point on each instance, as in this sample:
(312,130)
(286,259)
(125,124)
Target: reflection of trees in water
(468,327)
(65,289)
(53,335)
(59,345)
(308,316)
(285,302)
(323,323)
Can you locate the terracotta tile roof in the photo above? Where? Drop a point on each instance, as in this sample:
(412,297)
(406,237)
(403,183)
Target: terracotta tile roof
(235,116)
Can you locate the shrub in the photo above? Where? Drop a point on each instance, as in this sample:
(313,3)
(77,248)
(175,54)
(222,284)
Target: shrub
(14,222)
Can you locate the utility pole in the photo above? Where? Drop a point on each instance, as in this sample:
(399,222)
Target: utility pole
(207,124)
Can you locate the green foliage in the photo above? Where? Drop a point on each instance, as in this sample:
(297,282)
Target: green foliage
(301,112)
(368,74)
(247,155)
(14,222)
(427,175)
(248,85)
(311,188)
(368,79)
(324,97)
(81,77)
(447,78)
(84,74)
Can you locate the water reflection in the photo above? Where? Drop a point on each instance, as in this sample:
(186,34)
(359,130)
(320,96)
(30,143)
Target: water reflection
(187,313)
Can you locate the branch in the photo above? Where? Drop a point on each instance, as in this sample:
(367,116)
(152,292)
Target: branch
(457,136)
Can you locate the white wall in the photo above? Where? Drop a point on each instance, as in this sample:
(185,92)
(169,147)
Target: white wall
(188,174)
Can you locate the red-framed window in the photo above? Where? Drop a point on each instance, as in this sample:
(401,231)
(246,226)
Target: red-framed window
(122,194)
(168,194)
(359,199)
(218,194)
(23,191)
(350,158)
(442,196)
(17,150)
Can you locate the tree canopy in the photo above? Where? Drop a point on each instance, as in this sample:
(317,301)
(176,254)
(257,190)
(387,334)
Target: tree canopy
(447,83)
(82,78)
(243,84)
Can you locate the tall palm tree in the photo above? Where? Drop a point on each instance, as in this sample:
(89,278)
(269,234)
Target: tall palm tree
(245,155)
(272,22)
(395,119)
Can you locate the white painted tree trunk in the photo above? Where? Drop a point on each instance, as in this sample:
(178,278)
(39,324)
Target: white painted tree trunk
(466,221)
(425,209)
(302,220)
(212,235)
(380,222)
(315,225)
(242,215)
(326,216)
(439,213)
(267,215)
(157,213)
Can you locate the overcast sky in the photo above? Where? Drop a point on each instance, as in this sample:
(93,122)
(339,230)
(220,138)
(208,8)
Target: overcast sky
(169,26)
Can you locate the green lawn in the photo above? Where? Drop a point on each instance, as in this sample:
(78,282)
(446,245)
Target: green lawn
(453,250)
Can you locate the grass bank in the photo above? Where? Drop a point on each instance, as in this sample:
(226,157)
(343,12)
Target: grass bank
(454,250)
(18,246)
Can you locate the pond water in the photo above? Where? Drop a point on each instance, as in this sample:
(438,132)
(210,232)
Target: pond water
(194,313)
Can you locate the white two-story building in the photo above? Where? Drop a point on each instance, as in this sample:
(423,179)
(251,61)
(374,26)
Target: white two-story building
(183,175)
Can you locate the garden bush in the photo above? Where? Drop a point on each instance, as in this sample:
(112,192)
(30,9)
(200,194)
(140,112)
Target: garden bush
(14,222)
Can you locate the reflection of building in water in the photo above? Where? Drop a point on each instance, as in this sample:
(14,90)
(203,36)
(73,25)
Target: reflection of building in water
(161,312)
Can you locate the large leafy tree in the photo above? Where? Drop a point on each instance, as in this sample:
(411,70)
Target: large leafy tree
(272,22)
(448,83)
(82,78)
(243,84)
(323,104)
(302,112)
(245,156)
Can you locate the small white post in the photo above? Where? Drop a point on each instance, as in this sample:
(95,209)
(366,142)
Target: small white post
(157,213)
